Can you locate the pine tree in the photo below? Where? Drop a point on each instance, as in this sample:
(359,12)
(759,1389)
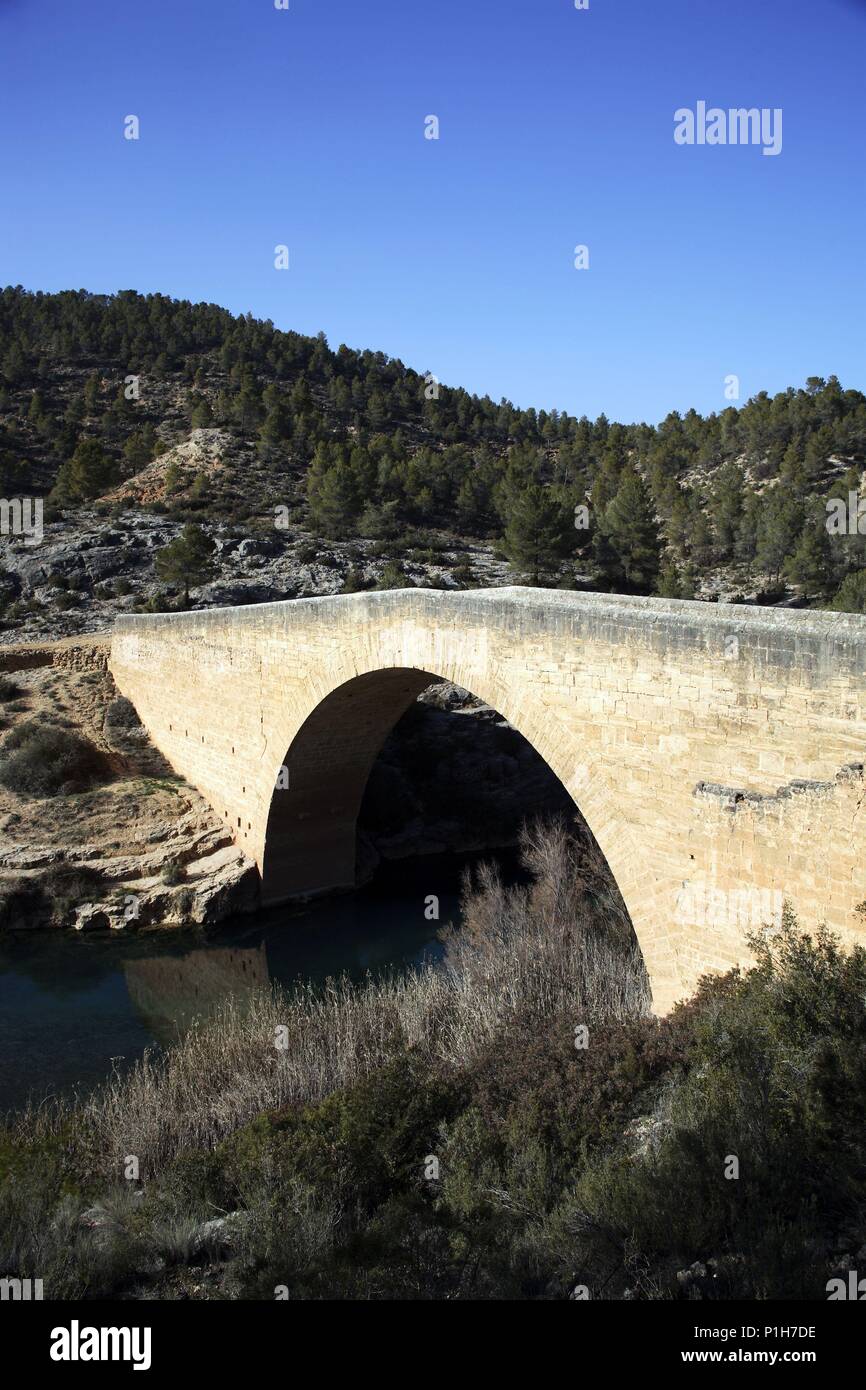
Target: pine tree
(14,365)
(606,482)
(187,560)
(726,506)
(630,530)
(92,392)
(746,540)
(851,596)
(810,564)
(300,399)
(277,425)
(247,406)
(679,522)
(539,534)
(202,415)
(85,475)
(139,449)
(331,491)
(818,451)
(671,583)
(473,506)
(781,519)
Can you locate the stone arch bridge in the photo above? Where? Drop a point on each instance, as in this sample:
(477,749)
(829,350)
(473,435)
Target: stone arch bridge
(715,751)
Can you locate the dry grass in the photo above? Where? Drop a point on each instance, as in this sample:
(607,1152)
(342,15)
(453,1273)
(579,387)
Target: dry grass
(562,946)
(525,954)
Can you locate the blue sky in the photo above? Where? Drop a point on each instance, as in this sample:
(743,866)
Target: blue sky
(306,127)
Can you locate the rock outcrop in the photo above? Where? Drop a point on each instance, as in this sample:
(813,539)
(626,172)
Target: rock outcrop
(139,848)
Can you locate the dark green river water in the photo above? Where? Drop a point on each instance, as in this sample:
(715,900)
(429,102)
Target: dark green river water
(72,1006)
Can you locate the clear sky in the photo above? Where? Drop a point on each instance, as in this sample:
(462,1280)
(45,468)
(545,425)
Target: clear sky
(305,127)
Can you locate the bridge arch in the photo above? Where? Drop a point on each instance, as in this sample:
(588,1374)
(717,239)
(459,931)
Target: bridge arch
(318,786)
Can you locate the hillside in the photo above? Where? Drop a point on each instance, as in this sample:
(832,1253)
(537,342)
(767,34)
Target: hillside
(317,471)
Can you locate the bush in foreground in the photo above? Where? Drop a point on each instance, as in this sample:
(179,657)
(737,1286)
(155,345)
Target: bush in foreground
(442,1135)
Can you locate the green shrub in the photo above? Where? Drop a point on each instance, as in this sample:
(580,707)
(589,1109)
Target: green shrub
(23,608)
(160,602)
(121,714)
(185,901)
(851,594)
(393,576)
(41,759)
(776,1081)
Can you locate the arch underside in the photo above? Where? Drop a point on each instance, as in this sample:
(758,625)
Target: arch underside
(310,842)
(310,839)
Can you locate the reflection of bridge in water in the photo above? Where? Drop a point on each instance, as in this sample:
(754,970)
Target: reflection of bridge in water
(171,992)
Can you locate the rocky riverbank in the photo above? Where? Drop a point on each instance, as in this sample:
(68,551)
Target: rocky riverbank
(133,847)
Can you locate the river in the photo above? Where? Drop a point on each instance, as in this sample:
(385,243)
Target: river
(72,1006)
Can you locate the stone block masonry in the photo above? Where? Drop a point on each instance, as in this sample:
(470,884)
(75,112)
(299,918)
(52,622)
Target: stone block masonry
(715,751)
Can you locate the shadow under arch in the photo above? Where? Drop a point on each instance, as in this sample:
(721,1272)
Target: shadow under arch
(310,837)
(310,840)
